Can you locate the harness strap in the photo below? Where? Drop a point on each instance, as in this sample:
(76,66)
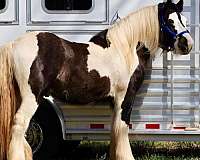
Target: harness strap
(180,34)
(166,28)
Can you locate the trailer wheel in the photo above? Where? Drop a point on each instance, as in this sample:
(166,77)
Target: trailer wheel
(44,134)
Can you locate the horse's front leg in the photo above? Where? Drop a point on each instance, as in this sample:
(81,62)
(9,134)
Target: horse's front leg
(127,104)
(120,148)
(134,85)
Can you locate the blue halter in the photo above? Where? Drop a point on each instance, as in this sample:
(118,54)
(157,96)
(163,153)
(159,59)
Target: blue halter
(165,28)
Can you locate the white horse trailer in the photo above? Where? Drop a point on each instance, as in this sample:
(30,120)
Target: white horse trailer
(167,106)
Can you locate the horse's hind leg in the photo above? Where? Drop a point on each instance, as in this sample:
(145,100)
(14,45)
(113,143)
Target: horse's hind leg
(27,150)
(24,52)
(21,122)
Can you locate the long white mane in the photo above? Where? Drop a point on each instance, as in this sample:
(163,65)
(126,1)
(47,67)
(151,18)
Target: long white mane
(142,25)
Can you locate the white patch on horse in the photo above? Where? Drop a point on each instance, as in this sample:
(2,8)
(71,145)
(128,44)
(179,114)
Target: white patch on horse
(108,63)
(23,59)
(180,28)
(25,50)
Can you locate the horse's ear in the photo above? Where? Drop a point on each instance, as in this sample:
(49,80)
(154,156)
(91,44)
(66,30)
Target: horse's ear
(179,6)
(169,1)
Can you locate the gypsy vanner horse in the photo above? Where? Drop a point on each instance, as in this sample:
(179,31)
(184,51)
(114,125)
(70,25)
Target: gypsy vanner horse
(41,64)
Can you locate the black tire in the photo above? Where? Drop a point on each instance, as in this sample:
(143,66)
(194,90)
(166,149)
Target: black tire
(51,142)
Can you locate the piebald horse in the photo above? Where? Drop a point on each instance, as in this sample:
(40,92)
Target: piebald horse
(41,64)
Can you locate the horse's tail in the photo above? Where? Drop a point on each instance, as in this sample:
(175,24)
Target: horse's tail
(7,98)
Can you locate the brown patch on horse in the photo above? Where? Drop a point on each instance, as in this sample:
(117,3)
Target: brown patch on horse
(60,70)
(101,39)
(47,64)
(135,83)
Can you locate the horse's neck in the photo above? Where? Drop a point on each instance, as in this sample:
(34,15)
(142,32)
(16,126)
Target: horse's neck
(142,25)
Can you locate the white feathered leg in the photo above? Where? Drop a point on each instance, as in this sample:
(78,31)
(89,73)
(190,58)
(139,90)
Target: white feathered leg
(27,150)
(21,122)
(120,147)
(24,52)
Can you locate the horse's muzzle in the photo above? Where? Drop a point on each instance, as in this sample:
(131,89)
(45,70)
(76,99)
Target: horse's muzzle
(183,46)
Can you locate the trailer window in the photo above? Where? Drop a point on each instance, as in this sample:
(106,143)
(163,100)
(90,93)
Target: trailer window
(68,5)
(2,4)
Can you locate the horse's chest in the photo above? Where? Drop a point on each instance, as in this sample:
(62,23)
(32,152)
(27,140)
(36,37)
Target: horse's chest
(107,63)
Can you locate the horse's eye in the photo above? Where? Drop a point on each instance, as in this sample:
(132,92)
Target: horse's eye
(170,21)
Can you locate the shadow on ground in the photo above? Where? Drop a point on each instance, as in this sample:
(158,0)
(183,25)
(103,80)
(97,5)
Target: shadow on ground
(141,150)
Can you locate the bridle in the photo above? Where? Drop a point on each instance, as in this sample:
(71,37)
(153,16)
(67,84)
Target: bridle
(165,28)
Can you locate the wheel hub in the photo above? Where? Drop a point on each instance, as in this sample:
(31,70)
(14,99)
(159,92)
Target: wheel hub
(34,136)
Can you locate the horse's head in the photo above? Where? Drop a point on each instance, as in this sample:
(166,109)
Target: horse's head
(173,33)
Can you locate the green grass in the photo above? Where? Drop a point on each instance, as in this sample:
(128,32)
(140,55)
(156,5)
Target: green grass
(141,151)
(166,150)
